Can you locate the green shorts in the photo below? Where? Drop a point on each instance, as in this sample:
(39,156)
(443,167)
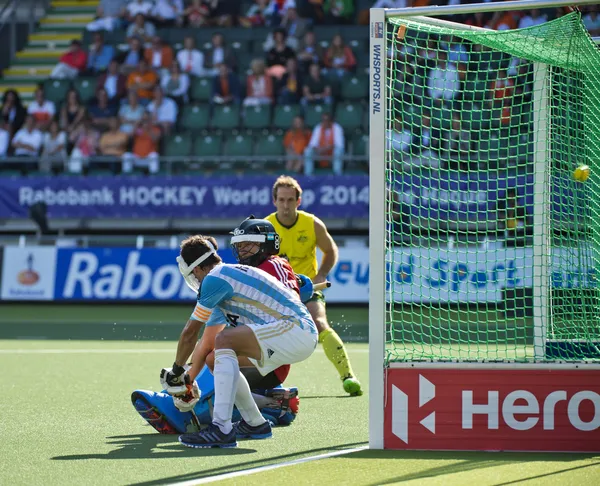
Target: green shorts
(317,297)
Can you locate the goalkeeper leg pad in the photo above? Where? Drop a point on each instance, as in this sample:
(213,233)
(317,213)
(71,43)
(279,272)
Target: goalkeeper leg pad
(285,412)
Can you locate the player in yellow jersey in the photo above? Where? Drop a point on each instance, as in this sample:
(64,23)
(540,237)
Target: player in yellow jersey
(300,234)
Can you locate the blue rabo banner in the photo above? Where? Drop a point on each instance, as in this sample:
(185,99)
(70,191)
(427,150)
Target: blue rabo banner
(178,196)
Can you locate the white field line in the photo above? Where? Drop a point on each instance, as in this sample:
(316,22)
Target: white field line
(118,351)
(255,470)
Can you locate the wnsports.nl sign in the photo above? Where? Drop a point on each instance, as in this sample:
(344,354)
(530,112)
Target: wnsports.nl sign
(506,408)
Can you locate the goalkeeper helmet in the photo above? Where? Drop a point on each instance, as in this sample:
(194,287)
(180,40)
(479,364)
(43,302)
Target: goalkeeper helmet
(258,231)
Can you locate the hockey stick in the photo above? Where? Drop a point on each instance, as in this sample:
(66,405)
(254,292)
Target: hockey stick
(321,286)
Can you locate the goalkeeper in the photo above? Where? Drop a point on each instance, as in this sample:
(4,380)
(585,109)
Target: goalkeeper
(254,243)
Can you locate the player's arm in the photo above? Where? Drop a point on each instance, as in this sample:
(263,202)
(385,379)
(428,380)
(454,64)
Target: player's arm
(203,349)
(187,341)
(328,247)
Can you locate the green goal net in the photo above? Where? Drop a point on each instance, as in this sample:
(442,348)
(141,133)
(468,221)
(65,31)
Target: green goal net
(491,242)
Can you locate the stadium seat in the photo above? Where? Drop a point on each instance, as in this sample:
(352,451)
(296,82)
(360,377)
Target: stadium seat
(56,89)
(86,87)
(226,117)
(271,145)
(257,116)
(355,88)
(195,117)
(178,145)
(200,89)
(238,145)
(349,115)
(360,145)
(313,114)
(208,146)
(284,114)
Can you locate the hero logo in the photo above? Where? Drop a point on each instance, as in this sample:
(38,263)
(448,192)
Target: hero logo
(531,407)
(376,79)
(400,409)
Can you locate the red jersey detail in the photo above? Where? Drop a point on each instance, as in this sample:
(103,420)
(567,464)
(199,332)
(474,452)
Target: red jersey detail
(281,269)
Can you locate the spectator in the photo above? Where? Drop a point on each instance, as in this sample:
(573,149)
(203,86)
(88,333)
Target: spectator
(340,57)
(27,143)
(85,140)
(135,7)
(294,27)
(259,86)
(457,144)
(399,139)
(100,55)
(142,81)
(534,17)
(219,54)
(223,12)
(255,16)
(168,13)
(315,89)
(113,82)
(226,87)
(71,63)
(502,87)
(131,58)
(13,111)
(277,10)
(41,109)
(176,85)
(141,28)
(72,112)
(108,15)
(280,52)
(102,111)
(327,140)
(591,20)
(289,87)
(503,21)
(443,81)
(190,59)
(163,110)
(113,143)
(4,138)
(145,147)
(197,14)
(338,12)
(310,52)
(159,56)
(131,113)
(295,142)
(54,149)
(457,52)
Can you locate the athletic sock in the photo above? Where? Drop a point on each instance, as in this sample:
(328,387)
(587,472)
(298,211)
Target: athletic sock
(336,352)
(246,405)
(227,374)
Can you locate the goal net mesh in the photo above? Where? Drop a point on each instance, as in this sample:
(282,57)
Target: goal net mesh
(491,243)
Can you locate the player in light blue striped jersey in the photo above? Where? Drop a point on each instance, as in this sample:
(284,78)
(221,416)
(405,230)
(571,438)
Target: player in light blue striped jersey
(267,323)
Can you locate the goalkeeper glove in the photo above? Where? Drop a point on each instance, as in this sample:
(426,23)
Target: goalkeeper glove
(187,402)
(306,287)
(172,380)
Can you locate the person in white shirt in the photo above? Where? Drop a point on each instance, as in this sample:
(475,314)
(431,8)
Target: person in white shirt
(4,138)
(168,12)
(176,84)
(163,110)
(190,59)
(135,7)
(443,81)
(327,140)
(27,142)
(54,149)
(41,109)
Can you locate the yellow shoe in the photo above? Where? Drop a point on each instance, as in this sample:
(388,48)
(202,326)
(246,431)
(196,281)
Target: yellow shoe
(352,387)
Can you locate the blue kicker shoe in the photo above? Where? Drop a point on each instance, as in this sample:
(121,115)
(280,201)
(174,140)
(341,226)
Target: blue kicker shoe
(244,430)
(211,436)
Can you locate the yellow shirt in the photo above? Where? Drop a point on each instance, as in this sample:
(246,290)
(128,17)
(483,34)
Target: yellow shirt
(298,243)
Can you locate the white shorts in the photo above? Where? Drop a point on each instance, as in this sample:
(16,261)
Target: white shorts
(282,343)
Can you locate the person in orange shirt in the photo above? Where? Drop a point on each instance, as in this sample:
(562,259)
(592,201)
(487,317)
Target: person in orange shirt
(327,140)
(295,142)
(142,82)
(158,56)
(145,147)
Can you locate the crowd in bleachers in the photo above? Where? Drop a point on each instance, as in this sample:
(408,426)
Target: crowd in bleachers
(276,84)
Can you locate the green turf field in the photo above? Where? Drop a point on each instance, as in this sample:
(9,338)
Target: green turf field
(67,417)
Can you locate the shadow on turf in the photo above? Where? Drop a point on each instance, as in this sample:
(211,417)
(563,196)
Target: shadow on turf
(244,465)
(470,461)
(152,446)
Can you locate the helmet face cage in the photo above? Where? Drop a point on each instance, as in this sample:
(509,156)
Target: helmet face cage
(257,231)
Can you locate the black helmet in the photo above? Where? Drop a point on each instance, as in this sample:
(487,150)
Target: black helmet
(258,231)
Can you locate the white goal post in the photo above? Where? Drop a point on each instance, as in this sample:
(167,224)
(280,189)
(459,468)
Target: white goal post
(379,246)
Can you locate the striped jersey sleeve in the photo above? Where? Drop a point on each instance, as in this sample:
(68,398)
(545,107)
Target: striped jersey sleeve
(213,291)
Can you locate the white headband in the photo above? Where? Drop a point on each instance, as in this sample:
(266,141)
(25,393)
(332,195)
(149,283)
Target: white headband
(186,270)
